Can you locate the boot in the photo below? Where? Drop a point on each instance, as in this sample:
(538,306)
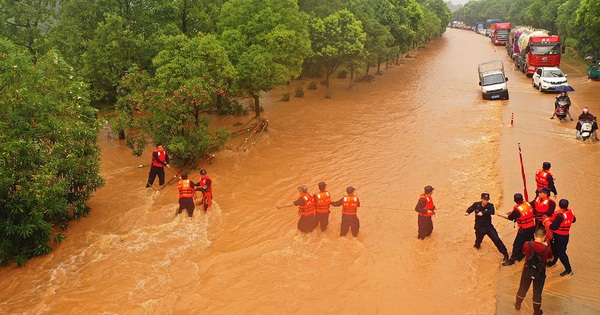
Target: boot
(505,256)
(518,303)
(537,309)
(508,262)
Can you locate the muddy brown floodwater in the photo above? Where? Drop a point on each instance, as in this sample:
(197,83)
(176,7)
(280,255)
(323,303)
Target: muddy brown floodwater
(422,123)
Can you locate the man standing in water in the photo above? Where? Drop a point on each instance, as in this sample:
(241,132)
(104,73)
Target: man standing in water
(205,186)
(306,210)
(187,195)
(322,205)
(542,205)
(544,178)
(350,204)
(522,213)
(160,159)
(425,208)
(484,210)
(529,248)
(560,225)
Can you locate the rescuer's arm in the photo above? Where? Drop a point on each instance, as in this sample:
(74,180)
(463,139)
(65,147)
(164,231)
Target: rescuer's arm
(337,203)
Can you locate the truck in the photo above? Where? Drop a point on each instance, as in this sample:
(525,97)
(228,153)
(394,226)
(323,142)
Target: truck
(488,26)
(479,27)
(512,44)
(492,80)
(500,33)
(538,49)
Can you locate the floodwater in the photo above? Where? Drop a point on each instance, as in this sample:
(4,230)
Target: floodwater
(422,123)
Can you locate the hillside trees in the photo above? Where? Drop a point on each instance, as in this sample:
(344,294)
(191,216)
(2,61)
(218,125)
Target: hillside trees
(49,164)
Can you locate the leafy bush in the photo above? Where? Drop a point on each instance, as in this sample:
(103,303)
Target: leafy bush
(312,85)
(299,92)
(286,97)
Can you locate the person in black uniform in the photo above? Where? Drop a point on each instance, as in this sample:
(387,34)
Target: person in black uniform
(483,223)
(526,279)
(522,213)
(426,209)
(560,225)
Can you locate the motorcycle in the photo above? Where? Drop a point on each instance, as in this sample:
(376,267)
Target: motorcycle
(586,129)
(561,110)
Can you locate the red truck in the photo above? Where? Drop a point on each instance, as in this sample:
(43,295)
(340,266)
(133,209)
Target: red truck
(500,32)
(542,51)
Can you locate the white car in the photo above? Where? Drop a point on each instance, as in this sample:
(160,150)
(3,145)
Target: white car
(548,78)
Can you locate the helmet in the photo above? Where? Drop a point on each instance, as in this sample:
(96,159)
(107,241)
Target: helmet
(203,172)
(585,110)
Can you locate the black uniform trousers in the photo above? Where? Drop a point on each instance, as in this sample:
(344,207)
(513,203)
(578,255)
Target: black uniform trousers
(491,232)
(425,226)
(187,204)
(560,249)
(350,222)
(523,235)
(322,219)
(538,285)
(306,223)
(156,170)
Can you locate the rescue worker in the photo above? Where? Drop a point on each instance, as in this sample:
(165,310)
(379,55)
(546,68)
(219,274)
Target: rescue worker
(322,205)
(160,159)
(544,178)
(187,195)
(484,210)
(522,213)
(350,204)
(560,224)
(426,210)
(538,283)
(542,205)
(306,210)
(205,186)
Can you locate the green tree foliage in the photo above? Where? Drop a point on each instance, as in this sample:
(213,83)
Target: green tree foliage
(170,108)
(23,23)
(49,164)
(336,40)
(588,20)
(267,42)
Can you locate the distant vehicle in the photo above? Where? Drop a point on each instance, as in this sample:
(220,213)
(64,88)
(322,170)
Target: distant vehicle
(493,80)
(593,71)
(500,32)
(548,78)
(538,49)
(479,26)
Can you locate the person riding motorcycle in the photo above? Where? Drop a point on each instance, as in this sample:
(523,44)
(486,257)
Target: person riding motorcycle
(562,97)
(587,116)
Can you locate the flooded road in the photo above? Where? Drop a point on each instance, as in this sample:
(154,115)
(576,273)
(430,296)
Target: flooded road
(422,123)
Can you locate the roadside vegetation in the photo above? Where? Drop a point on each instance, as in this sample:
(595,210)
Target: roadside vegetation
(161,67)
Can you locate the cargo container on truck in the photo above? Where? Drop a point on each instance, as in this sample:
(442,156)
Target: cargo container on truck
(538,49)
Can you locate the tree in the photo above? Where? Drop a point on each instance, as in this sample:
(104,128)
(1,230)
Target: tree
(336,40)
(169,108)
(267,42)
(23,22)
(588,18)
(49,164)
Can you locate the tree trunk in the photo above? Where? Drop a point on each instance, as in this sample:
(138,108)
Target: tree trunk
(368,68)
(256,104)
(378,67)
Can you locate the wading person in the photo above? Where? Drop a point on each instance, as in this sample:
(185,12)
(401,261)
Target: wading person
(542,205)
(544,178)
(536,275)
(426,210)
(205,186)
(187,195)
(322,205)
(160,159)
(306,210)
(350,204)
(484,210)
(522,213)
(560,225)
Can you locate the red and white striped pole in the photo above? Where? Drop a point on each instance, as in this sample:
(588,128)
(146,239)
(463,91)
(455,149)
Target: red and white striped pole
(523,173)
(512,118)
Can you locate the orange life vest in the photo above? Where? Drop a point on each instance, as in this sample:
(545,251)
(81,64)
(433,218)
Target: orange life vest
(309,205)
(541,178)
(428,204)
(322,202)
(203,183)
(349,205)
(161,156)
(185,189)
(526,218)
(565,225)
(541,206)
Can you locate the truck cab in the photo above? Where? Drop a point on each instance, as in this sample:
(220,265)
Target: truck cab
(492,80)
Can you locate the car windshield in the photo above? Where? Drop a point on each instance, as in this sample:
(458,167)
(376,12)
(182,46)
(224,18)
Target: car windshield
(493,79)
(553,74)
(545,50)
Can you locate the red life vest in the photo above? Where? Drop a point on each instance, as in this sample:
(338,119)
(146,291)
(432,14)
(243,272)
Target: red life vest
(203,183)
(541,178)
(565,225)
(526,218)
(322,202)
(349,205)
(428,204)
(541,206)
(162,154)
(185,189)
(309,205)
